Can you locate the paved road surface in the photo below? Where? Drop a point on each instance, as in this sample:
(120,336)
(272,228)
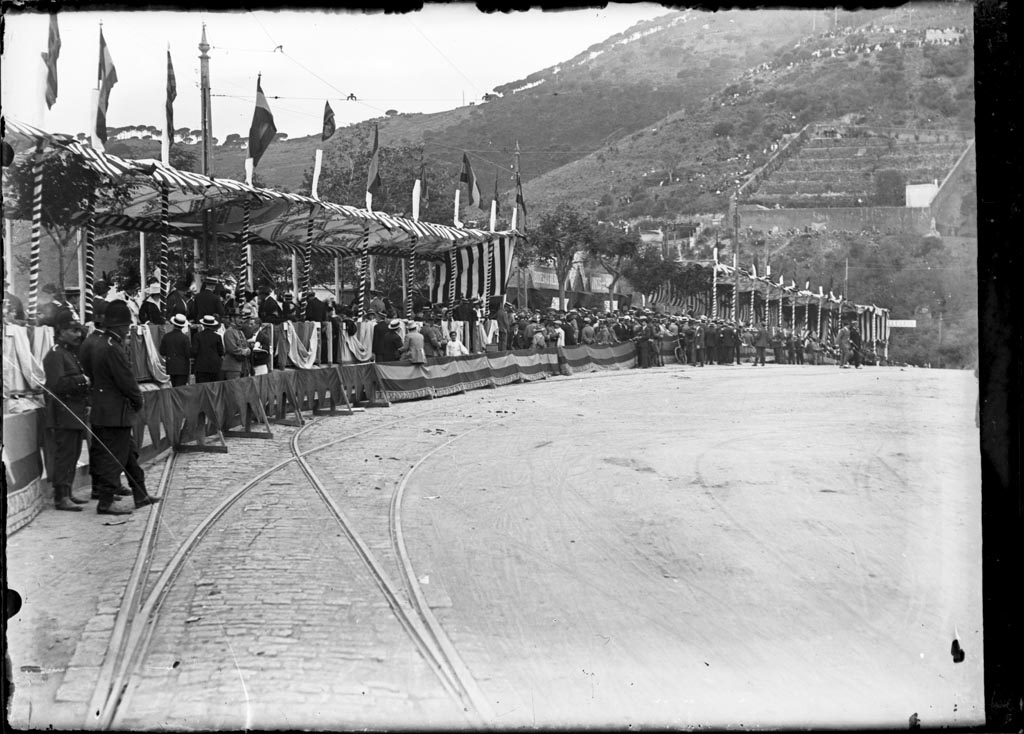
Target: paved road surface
(723,546)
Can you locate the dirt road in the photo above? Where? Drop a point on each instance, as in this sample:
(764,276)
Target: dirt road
(729,546)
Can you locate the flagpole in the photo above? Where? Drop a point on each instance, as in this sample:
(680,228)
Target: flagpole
(714,283)
(456,221)
(83,295)
(206,124)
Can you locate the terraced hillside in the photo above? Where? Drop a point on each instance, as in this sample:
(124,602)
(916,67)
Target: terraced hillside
(852,170)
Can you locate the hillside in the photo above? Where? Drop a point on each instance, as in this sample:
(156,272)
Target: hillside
(565,112)
(691,160)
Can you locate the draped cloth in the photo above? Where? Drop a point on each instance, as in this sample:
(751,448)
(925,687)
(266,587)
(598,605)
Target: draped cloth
(359,347)
(153,362)
(22,369)
(301,356)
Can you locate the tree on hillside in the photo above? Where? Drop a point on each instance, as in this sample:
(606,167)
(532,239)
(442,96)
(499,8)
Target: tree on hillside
(612,248)
(556,239)
(646,271)
(67,189)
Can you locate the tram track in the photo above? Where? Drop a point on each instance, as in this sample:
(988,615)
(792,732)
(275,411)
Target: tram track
(141,611)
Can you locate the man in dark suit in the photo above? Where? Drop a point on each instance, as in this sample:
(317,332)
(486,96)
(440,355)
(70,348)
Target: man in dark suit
(725,338)
(207,303)
(115,402)
(178,299)
(67,407)
(208,350)
(176,348)
(380,329)
(269,309)
(711,342)
(761,343)
(316,310)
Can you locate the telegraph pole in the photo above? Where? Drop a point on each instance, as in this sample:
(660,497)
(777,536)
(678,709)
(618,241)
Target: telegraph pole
(206,125)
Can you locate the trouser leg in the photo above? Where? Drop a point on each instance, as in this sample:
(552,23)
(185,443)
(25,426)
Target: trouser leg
(108,457)
(67,445)
(136,476)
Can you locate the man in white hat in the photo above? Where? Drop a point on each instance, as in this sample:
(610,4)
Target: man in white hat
(176,349)
(413,348)
(390,343)
(208,350)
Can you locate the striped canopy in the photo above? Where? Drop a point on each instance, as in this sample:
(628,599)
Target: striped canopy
(277,218)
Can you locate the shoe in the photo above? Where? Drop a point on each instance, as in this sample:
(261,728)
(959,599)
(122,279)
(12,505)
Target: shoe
(111,510)
(123,492)
(146,501)
(96,496)
(78,500)
(67,506)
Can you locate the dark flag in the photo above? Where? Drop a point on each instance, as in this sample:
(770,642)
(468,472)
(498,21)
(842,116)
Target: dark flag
(262,129)
(469,178)
(172,94)
(519,197)
(373,175)
(107,78)
(424,191)
(329,126)
(50,59)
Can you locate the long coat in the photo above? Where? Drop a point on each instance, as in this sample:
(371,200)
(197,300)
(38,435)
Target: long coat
(176,348)
(67,390)
(116,397)
(208,350)
(761,338)
(413,349)
(390,344)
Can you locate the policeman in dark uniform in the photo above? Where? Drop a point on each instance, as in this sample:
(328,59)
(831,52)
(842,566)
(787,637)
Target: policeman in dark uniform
(116,399)
(67,408)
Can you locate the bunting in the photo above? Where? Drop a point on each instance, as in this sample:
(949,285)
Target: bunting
(476,271)
(262,130)
(50,59)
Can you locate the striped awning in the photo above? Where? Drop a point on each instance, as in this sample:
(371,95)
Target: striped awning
(277,218)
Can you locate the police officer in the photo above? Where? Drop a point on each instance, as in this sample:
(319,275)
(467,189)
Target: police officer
(67,407)
(116,399)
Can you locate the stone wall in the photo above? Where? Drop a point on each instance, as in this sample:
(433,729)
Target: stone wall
(851,219)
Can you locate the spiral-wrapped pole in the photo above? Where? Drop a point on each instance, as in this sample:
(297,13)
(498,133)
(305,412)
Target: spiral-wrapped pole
(165,242)
(90,256)
(411,268)
(37,226)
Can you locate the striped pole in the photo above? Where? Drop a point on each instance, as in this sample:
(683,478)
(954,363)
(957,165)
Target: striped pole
(307,266)
(735,287)
(410,277)
(364,259)
(792,311)
(244,264)
(37,225)
(753,290)
(451,276)
(165,243)
(714,288)
(90,257)
(821,303)
(487,274)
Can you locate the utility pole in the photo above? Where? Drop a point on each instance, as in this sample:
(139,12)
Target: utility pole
(524,297)
(206,125)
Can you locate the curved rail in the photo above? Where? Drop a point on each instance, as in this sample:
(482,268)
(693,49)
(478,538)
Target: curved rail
(134,627)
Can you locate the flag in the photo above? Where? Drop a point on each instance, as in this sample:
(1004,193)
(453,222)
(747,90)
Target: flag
(262,129)
(519,197)
(469,178)
(373,175)
(50,59)
(172,94)
(753,270)
(329,126)
(424,191)
(107,78)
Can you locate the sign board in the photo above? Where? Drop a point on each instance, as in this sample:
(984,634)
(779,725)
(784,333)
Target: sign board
(902,323)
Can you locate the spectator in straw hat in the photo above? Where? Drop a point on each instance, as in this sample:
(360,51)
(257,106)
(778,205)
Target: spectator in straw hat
(116,401)
(208,350)
(176,349)
(390,343)
(413,348)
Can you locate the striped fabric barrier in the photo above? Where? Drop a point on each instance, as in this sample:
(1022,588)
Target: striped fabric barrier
(476,271)
(587,358)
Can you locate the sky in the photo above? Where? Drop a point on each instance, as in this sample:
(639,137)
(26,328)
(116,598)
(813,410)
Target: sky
(435,59)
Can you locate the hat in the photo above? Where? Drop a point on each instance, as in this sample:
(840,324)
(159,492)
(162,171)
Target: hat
(395,324)
(179,320)
(65,318)
(117,314)
(153,290)
(209,321)
(412,326)
(288,297)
